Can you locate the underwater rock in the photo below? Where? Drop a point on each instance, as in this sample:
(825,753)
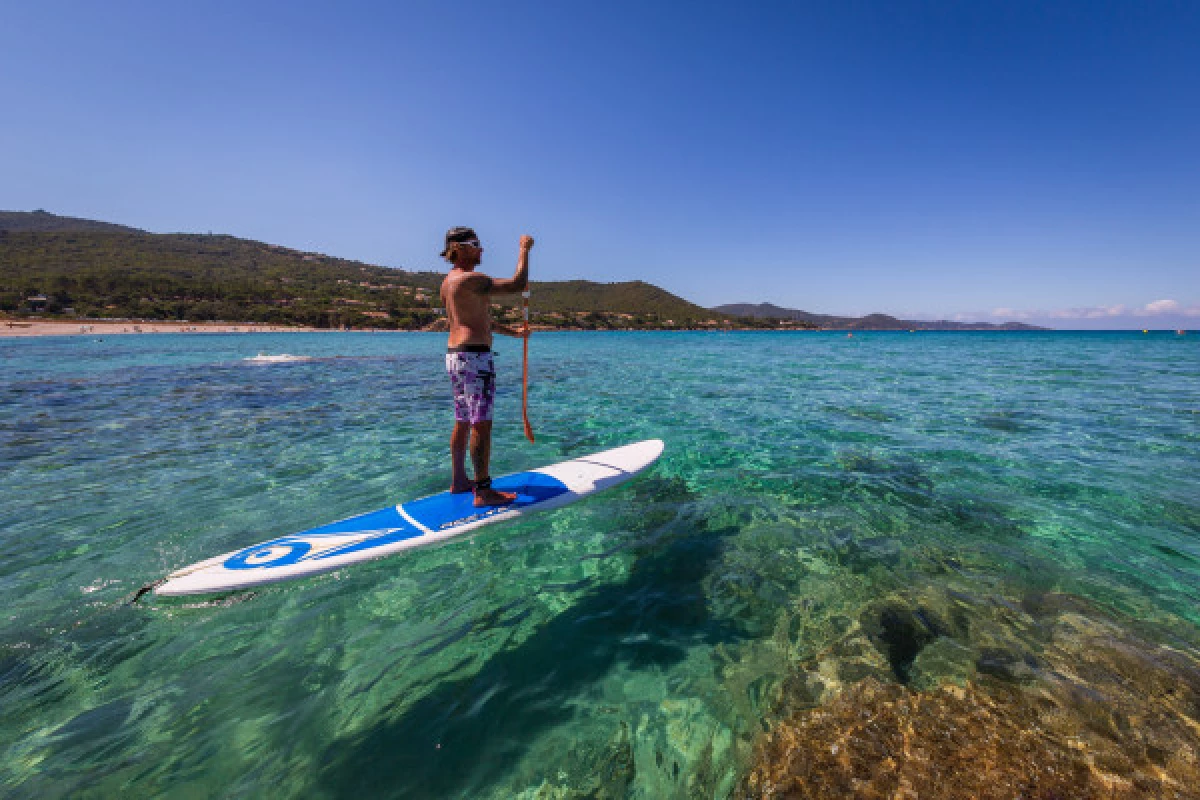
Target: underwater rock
(680,757)
(1009,421)
(853,659)
(1098,713)
(1010,665)
(598,773)
(863,555)
(943,661)
(900,632)
(883,741)
(1054,604)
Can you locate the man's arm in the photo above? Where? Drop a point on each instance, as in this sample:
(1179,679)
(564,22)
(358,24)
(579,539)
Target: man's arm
(520,279)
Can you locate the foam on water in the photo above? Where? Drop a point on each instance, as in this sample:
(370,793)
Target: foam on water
(276,358)
(835,520)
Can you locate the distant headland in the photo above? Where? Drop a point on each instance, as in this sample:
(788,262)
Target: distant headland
(871,322)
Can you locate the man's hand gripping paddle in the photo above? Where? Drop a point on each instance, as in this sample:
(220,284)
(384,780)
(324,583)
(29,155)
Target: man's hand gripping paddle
(525,369)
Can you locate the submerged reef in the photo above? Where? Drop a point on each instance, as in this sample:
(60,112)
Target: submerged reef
(931,697)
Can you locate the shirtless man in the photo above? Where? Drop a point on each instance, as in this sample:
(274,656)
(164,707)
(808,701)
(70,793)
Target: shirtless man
(467,295)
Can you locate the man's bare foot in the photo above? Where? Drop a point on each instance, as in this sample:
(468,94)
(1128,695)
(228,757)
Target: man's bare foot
(490,497)
(462,488)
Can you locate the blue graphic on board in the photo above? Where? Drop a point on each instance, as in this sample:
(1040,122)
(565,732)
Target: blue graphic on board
(445,510)
(379,528)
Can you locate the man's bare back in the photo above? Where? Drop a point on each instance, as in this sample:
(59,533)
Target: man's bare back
(467,298)
(467,295)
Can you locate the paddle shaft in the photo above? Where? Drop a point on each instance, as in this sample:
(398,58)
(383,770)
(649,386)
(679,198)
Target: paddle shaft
(525,370)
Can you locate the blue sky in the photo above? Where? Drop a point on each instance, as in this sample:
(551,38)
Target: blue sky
(985,160)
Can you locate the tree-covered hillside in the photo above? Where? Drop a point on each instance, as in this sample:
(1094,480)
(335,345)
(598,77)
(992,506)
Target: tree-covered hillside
(198,277)
(123,273)
(45,221)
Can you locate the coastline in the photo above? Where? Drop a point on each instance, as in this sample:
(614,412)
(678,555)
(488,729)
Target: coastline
(97,327)
(18,328)
(22,328)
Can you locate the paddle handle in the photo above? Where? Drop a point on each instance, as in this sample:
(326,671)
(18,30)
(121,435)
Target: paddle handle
(525,369)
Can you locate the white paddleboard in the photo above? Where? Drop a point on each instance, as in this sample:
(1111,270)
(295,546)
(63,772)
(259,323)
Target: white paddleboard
(413,524)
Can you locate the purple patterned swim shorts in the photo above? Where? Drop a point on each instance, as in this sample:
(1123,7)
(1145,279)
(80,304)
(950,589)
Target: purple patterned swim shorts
(473,376)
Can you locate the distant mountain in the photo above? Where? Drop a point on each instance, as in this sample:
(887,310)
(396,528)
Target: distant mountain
(871,322)
(43,221)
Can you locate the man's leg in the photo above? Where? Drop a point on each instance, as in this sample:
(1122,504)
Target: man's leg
(458,458)
(481,454)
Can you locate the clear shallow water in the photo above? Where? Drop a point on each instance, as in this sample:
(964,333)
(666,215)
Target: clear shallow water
(635,644)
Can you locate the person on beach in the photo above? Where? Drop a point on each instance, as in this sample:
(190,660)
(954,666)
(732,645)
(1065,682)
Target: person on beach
(466,295)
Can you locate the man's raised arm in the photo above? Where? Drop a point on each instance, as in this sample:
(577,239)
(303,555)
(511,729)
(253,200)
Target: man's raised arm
(520,279)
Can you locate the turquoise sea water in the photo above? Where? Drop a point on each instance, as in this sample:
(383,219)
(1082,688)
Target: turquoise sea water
(635,644)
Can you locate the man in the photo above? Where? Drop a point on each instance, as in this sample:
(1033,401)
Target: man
(466,295)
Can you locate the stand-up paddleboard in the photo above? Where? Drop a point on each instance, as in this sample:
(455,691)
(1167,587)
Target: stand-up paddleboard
(413,524)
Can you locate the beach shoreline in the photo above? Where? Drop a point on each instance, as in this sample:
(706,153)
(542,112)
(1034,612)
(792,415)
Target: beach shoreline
(37,327)
(32,327)
(98,327)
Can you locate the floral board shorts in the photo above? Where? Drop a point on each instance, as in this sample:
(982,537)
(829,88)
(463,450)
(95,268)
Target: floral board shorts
(473,377)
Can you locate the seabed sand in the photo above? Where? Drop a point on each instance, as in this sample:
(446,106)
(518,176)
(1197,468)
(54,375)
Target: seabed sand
(34,327)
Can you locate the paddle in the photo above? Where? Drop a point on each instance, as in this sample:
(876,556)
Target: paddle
(525,370)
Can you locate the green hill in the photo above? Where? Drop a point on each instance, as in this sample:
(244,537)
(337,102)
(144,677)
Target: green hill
(197,277)
(79,268)
(43,221)
(635,298)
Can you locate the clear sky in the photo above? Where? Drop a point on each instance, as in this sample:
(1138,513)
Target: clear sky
(1016,160)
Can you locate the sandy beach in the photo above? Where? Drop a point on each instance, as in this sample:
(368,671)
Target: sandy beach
(37,327)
